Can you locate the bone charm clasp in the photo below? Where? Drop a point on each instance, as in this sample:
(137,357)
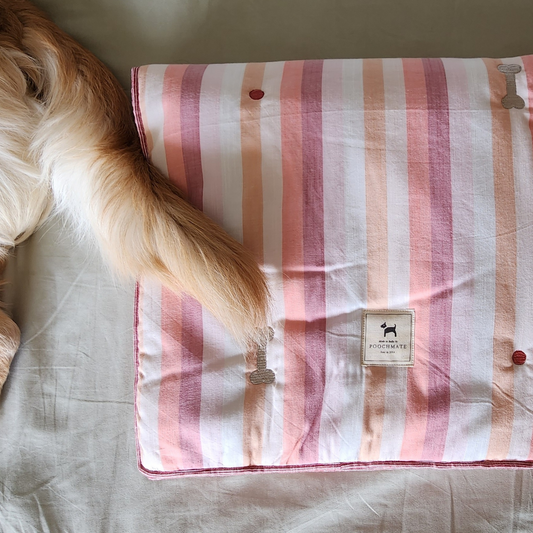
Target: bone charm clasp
(263,374)
(511,99)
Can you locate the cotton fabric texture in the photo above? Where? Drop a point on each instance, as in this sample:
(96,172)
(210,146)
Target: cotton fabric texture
(358,184)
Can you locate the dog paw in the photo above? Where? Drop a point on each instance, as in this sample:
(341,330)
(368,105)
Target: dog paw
(9,343)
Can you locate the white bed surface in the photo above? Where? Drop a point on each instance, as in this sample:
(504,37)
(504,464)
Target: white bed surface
(67,448)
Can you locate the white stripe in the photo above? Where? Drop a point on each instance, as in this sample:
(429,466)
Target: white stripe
(480,372)
(335,261)
(355,243)
(397,184)
(210,141)
(271,169)
(230,146)
(233,403)
(463,254)
(154,120)
(232,186)
(211,409)
(523,171)
(398,245)
(149,373)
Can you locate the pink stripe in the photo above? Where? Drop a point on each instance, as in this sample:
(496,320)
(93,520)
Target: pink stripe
(171,97)
(292,254)
(313,243)
(170,384)
(442,260)
(190,132)
(420,253)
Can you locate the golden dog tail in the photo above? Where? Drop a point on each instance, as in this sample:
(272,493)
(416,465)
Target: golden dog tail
(88,146)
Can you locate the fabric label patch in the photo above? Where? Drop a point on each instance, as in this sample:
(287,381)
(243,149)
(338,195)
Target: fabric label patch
(388,337)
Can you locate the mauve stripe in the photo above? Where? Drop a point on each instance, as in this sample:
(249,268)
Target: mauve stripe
(442,260)
(190,394)
(313,248)
(190,132)
(504,319)
(293,280)
(420,253)
(171,97)
(377,249)
(192,333)
(252,230)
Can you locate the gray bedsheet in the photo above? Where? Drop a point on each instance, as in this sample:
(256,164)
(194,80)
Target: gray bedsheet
(67,448)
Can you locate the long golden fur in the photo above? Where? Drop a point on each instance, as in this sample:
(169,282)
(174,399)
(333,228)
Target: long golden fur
(68,143)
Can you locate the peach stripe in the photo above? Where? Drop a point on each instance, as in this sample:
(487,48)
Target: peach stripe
(293,259)
(377,245)
(172,127)
(504,320)
(252,221)
(252,186)
(170,384)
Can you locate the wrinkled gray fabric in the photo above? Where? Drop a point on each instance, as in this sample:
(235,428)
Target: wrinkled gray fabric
(67,448)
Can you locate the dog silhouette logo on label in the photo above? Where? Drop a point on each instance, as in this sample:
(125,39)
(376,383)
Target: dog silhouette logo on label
(388,337)
(388,329)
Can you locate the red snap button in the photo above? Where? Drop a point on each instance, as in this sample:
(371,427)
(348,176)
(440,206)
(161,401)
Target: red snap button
(256,94)
(519,357)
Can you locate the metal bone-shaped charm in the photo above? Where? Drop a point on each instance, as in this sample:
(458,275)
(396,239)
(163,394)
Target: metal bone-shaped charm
(511,99)
(263,374)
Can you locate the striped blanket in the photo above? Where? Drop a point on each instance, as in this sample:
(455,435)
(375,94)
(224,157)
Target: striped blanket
(375,193)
